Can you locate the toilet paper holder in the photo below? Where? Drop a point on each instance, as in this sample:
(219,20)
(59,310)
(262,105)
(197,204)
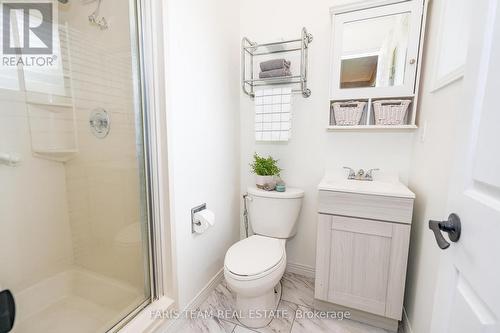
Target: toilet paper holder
(194,211)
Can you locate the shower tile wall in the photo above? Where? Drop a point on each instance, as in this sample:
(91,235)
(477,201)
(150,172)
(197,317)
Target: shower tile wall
(66,211)
(102,180)
(71,246)
(33,211)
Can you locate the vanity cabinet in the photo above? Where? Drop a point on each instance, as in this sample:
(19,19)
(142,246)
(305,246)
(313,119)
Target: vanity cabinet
(362,250)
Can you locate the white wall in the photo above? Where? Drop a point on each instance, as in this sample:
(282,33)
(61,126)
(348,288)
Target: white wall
(202,72)
(429,179)
(312,149)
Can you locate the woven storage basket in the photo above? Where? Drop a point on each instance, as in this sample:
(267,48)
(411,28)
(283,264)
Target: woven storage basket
(348,113)
(391,111)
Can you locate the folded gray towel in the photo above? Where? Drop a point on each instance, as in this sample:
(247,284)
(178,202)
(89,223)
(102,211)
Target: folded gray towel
(274,64)
(281,72)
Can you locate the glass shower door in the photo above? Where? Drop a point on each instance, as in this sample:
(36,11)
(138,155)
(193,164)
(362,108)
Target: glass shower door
(73,217)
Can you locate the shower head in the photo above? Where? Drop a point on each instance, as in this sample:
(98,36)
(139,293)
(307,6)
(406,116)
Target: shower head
(63,1)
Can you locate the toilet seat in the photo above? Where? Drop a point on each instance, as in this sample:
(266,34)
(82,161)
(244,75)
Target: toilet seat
(255,257)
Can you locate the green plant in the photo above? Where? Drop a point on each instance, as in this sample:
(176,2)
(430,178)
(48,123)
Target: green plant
(263,166)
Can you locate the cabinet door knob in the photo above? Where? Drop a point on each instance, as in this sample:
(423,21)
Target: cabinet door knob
(413,61)
(452,226)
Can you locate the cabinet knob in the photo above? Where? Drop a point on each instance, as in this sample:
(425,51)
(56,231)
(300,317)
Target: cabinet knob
(413,61)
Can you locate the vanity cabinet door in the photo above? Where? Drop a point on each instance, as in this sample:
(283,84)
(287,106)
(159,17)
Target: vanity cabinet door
(362,264)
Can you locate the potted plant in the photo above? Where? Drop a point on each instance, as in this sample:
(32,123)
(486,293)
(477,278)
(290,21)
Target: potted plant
(265,169)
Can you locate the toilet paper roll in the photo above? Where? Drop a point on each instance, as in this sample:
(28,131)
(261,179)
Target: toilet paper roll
(203,220)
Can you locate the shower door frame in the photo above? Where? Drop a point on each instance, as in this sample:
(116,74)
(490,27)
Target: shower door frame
(147,41)
(148,102)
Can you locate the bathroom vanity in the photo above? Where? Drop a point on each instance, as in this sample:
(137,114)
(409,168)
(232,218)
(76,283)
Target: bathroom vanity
(362,248)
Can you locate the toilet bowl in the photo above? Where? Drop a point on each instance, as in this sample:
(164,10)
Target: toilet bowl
(253,267)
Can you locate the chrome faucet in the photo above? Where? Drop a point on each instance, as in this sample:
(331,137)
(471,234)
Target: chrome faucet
(361,174)
(369,174)
(352,173)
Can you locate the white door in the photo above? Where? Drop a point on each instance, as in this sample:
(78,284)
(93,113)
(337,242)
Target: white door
(468,291)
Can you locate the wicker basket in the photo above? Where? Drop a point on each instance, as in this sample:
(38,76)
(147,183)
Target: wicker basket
(391,111)
(348,113)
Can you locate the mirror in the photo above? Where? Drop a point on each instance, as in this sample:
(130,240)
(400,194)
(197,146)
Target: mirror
(374,51)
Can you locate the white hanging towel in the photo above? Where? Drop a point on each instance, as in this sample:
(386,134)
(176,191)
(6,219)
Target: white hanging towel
(273,114)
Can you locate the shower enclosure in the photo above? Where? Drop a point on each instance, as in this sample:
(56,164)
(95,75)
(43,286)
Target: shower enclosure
(76,240)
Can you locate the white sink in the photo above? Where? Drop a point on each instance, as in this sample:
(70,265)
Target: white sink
(376,187)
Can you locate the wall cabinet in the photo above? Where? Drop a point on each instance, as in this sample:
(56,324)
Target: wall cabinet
(362,250)
(376,52)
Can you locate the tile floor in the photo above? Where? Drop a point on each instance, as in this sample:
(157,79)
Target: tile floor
(297,300)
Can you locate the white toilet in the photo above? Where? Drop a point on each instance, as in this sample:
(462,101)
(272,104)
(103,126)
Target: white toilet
(253,267)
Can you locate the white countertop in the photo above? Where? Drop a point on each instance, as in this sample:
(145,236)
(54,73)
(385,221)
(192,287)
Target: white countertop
(391,188)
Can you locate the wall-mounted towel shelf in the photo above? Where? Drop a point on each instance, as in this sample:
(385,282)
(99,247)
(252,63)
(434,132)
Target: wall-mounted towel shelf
(251,51)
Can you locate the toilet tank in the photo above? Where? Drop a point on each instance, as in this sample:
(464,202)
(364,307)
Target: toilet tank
(272,213)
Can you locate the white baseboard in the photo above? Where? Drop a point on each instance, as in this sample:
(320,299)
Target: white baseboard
(205,291)
(175,325)
(406,322)
(300,269)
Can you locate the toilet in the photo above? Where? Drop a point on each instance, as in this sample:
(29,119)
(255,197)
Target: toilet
(253,267)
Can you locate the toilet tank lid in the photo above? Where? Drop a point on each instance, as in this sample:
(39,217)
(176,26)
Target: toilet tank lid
(290,193)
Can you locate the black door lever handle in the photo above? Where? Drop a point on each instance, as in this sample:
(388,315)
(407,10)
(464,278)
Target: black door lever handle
(7,311)
(452,226)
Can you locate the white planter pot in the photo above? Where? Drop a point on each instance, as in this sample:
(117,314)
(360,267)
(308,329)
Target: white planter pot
(265,182)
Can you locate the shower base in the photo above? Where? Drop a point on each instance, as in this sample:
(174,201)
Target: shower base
(76,301)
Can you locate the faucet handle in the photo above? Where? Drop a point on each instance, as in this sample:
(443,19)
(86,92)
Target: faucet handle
(352,173)
(369,173)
